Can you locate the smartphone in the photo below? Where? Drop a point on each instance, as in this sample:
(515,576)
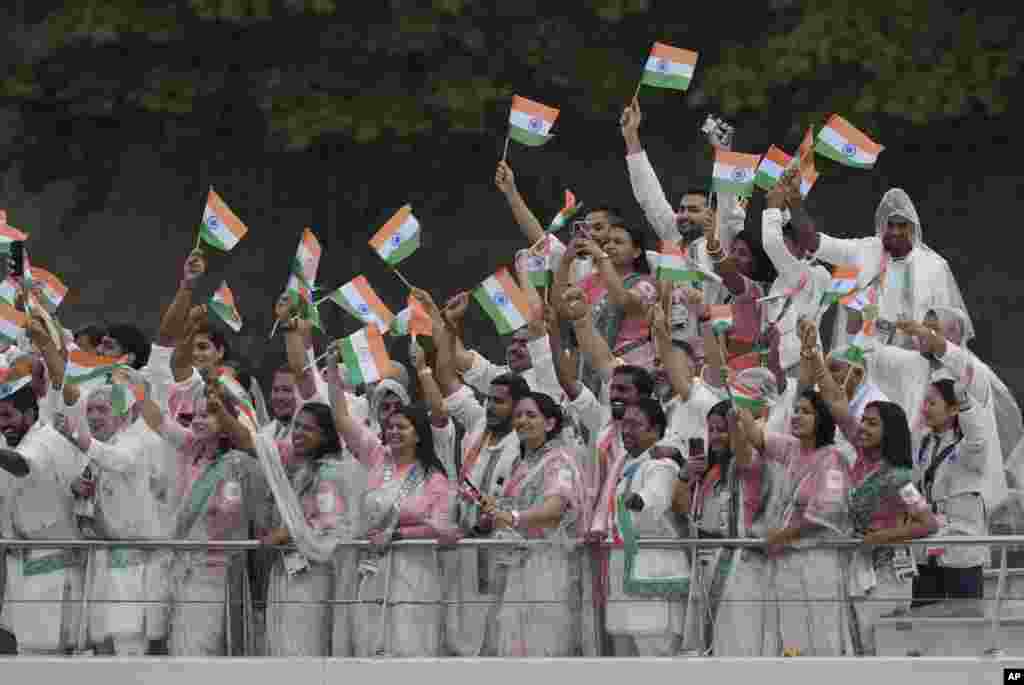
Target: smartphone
(16,259)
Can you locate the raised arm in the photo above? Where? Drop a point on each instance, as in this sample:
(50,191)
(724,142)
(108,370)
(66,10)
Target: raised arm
(646,186)
(429,388)
(618,294)
(680,375)
(750,430)
(725,265)
(181,359)
(593,347)
(360,440)
(298,338)
(566,361)
(175,318)
(789,267)
(528,223)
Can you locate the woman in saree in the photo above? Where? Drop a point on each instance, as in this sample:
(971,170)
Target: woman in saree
(321,498)
(222,492)
(805,612)
(538,613)
(407,497)
(885,505)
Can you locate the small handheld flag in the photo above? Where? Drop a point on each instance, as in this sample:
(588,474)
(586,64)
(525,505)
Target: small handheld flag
(398,238)
(223,305)
(413,320)
(841,142)
(529,122)
(568,211)
(668,67)
(504,302)
(733,173)
(221,228)
(358,298)
(365,356)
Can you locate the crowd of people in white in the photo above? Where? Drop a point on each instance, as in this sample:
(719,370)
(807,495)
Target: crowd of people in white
(622,411)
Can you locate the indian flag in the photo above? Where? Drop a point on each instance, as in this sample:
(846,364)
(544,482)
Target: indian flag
(223,305)
(125,396)
(669,67)
(746,397)
(50,287)
(9,234)
(843,283)
(674,265)
(538,265)
(398,238)
(221,228)
(413,320)
(503,301)
(246,411)
(307,257)
(530,122)
(734,173)
(303,296)
(82,366)
(843,143)
(365,356)
(12,324)
(566,213)
(772,166)
(720,318)
(742,362)
(358,298)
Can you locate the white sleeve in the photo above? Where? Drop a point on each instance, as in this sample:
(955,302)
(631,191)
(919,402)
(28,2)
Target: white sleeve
(959,362)
(658,486)
(444,447)
(318,380)
(731,219)
(591,413)
(544,367)
(464,409)
(649,194)
(158,372)
(789,268)
(111,457)
(840,250)
(482,373)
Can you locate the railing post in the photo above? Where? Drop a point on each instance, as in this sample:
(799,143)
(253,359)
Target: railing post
(995,642)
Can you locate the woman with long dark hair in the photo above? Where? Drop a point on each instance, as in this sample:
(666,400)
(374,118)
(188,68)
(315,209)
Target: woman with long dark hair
(805,611)
(399,589)
(885,506)
(322,495)
(535,615)
(222,492)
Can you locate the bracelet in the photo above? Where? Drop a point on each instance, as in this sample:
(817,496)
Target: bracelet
(426,371)
(516,518)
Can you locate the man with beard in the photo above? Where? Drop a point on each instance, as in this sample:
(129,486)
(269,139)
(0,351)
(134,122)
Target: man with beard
(910,277)
(114,445)
(41,584)
(489,452)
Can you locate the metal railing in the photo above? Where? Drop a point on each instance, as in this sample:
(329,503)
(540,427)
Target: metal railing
(1001,542)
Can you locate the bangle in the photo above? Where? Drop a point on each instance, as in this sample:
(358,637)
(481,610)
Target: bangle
(516,518)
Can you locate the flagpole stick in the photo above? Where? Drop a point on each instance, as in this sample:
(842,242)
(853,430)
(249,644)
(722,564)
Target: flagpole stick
(402,278)
(199,237)
(315,361)
(274,328)
(504,154)
(636,93)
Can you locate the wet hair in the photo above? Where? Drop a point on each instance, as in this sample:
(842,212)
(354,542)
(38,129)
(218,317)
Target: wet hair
(695,190)
(94,331)
(425,454)
(549,409)
(947,391)
(824,424)
(132,340)
(216,337)
(762,271)
(516,384)
(639,240)
(724,457)
(24,399)
(897,449)
(614,213)
(655,414)
(321,413)
(640,376)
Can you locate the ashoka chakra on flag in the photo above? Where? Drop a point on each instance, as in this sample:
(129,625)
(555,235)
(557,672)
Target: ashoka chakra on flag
(739,174)
(396,240)
(662,65)
(535,124)
(500,299)
(364,308)
(849,150)
(212,220)
(535,262)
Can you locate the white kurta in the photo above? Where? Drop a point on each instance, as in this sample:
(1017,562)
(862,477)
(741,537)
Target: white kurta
(42,600)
